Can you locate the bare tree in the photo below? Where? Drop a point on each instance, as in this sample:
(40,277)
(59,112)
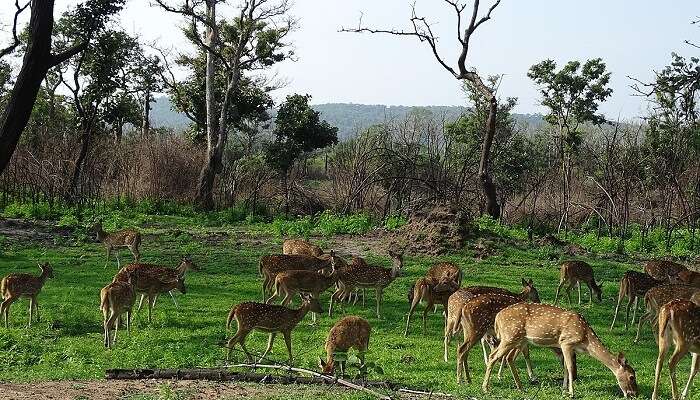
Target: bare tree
(422,30)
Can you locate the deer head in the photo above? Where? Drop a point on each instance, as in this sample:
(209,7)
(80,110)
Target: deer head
(46,270)
(397,261)
(326,367)
(530,291)
(312,303)
(187,263)
(180,285)
(626,377)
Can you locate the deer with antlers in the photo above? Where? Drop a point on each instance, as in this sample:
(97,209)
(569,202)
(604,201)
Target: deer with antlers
(656,297)
(633,285)
(116,299)
(349,332)
(573,273)
(550,326)
(301,247)
(458,299)
(129,238)
(369,277)
(267,318)
(661,270)
(679,323)
(435,287)
(15,286)
(161,272)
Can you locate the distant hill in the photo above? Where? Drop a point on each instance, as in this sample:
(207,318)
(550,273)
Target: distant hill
(349,118)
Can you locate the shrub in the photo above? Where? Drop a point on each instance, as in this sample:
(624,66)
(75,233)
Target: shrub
(394,222)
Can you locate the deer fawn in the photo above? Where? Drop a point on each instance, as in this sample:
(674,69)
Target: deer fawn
(15,286)
(272,265)
(128,238)
(679,321)
(267,318)
(661,270)
(657,297)
(550,326)
(686,277)
(368,277)
(633,285)
(300,247)
(116,299)
(573,273)
(163,273)
(349,332)
(457,300)
(435,287)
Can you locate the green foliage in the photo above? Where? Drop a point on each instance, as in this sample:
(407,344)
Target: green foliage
(394,221)
(487,224)
(323,224)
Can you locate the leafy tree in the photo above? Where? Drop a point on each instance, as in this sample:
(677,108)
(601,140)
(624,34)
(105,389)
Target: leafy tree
(572,96)
(298,130)
(120,109)
(148,72)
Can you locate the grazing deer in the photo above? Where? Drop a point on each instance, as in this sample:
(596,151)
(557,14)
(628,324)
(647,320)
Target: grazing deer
(456,302)
(300,247)
(551,326)
(267,318)
(686,277)
(116,299)
(367,277)
(349,332)
(15,286)
(679,321)
(129,238)
(573,273)
(478,316)
(662,269)
(435,287)
(272,265)
(161,272)
(633,285)
(658,296)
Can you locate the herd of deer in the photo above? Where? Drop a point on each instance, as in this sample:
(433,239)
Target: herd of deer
(505,321)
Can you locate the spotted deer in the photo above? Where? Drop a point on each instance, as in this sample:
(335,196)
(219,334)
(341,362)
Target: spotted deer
(679,323)
(16,286)
(349,332)
(116,299)
(151,285)
(633,285)
(573,273)
(162,272)
(686,277)
(369,277)
(129,238)
(267,318)
(301,247)
(550,326)
(656,297)
(272,265)
(457,300)
(435,287)
(661,270)
(696,298)
(478,316)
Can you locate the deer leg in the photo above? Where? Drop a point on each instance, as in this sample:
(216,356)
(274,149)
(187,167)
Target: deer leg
(634,308)
(119,264)
(416,299)
(36,309)
(694,366)
(110,324)
(568,353)
(270,341)
(135,252)
(556,296)
(568,293)
(6,307)
(128,322)
(663,350)
(617,307)
(31,311)
(495,356)
(378,301)
(151,301)
(173,298)
(510,359)
(528,363)
(578,286)
(363,297)
(463,358)
(288,343)
(109,255)
(627,312)
(425,314)
(680,351)
(644,317)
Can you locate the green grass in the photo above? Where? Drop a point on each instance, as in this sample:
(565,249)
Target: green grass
(67,344)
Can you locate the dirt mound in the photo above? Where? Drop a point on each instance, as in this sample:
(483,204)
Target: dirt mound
(40,231)
(435,232)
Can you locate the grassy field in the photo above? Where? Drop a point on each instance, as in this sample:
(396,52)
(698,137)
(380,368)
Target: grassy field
(67,344)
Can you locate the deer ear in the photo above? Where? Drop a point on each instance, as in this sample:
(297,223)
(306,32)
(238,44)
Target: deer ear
(321,363)
(530,282)
(523,281)
(621,359)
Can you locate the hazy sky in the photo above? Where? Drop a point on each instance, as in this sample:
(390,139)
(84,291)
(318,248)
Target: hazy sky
(632,37)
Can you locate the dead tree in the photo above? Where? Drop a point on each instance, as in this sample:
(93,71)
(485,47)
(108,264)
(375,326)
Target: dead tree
(422,30)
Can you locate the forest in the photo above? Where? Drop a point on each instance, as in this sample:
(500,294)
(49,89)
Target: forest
(233,175)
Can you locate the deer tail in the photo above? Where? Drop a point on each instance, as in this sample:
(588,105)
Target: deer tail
(230,317)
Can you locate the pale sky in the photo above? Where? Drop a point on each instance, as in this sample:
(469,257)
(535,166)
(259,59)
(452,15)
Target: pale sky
(633,37)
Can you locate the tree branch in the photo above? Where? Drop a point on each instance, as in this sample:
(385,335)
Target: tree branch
(65,55)
(15,39)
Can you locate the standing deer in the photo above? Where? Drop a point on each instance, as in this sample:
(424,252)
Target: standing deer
(686,277)
(15,286)
(368,277)
(550,326)
(300,247)
(272,265)
(679,322)
(161,272)
(267,318)
(459,298)
(633,285)
(573,273)
(116,299)
(661,270)
(349,332)
(435,287)
(658,296)
(129,238)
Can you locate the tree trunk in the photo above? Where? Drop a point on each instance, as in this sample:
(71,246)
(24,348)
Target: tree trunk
(492,206)
(146,117)
(78,168)
(35,65)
